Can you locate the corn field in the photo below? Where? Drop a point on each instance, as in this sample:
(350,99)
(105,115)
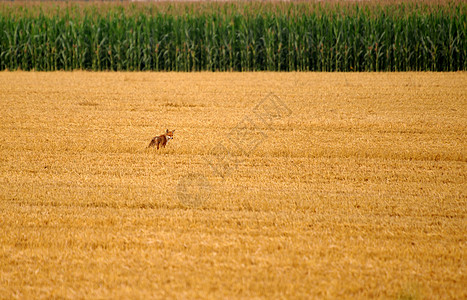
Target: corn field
(234,37)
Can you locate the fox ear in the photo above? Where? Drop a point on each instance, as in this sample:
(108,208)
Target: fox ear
(173,130)
(167,131)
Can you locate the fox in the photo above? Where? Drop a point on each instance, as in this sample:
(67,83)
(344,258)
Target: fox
(162,139)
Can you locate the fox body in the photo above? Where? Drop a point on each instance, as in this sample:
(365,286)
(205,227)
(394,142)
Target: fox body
(162,140)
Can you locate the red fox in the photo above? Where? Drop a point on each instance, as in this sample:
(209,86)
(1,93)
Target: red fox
(162,139)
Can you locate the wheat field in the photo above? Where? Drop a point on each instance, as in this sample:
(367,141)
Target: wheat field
(276,185)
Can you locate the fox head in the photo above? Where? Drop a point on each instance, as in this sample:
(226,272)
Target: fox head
(169,134)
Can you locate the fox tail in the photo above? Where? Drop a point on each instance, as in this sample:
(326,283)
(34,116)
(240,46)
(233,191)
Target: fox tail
(152,143)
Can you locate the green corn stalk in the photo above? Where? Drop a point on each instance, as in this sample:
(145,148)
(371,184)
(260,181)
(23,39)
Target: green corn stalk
(236,37)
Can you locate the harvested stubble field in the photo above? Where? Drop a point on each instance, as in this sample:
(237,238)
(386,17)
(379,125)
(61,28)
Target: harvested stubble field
(354,187)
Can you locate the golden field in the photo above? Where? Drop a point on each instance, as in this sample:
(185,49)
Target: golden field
(276,185)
